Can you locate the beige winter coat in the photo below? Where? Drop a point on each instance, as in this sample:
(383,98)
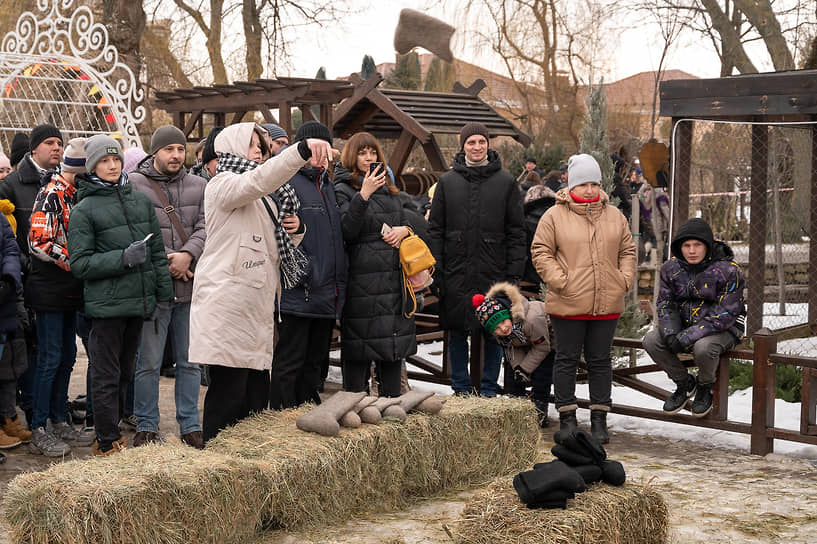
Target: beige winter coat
(535,325)
(237,279)
(586,256)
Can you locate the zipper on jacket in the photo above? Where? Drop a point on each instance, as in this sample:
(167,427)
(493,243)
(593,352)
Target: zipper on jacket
(141,273)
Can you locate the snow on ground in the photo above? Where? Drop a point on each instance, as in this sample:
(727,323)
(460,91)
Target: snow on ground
(787,414)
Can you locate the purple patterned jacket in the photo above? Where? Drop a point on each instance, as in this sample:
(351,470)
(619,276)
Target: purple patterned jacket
(704,299)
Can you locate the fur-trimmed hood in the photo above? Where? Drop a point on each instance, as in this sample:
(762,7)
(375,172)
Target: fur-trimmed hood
(513,294)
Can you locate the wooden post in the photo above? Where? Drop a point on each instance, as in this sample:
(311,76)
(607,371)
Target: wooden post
(720,392)
(808,402)
(763,390)
(757,228)
(812,262)
(682,166)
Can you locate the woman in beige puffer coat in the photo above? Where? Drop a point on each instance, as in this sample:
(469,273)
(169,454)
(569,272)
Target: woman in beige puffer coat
(583,250)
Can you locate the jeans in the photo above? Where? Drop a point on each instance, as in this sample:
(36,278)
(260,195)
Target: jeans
(57,345)
(112,346)
(595,337)
(458,356)
(172,323)
(706,353)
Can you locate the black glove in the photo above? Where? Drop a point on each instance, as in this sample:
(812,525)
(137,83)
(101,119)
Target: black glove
(521,377)
(135,254)
(8,289)
(673,344)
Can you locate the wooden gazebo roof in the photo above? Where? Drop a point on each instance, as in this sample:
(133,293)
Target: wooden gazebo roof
(761,98)
(415,116)
(189,106)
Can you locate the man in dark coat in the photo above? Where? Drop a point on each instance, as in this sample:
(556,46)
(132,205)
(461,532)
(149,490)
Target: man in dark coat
(700,310)
(308,311)
(21,188)
(165,181)
(477,235)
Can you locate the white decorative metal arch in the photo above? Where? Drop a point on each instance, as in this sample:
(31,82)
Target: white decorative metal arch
(61,70)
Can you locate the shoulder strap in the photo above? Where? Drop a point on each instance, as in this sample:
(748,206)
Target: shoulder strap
(270,212)
(169,210)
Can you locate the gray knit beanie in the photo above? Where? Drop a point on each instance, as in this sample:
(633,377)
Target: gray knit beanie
(582,168)
(275,131)
(99,146)
(73,156)
(166,135)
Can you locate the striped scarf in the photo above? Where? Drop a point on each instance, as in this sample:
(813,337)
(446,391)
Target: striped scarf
(294,261)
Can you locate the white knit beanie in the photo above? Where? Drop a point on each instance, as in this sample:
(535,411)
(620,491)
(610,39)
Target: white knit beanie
(582,168)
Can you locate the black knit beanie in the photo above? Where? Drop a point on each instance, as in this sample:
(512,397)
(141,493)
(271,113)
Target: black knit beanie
(41,133)
(19,148)
(313,129)
(470,129)
(209,151)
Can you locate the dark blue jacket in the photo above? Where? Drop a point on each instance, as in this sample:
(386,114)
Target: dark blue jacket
(323,291)
(9,267)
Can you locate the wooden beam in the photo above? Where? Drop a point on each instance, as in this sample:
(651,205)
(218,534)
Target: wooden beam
(682,149)
(326,114)
(220,119)
(401,152)
(763,390)
(191,122)
(178,120)
(757,228)
(362,89)
(306,114)
(403,119)
(356,122)
(237,117)
(268,116)
(285,115)
(812,262)
(435,155)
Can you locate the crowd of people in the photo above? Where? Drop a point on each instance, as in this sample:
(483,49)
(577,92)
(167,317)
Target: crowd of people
(239,269)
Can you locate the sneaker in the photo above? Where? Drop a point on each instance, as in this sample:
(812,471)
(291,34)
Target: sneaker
(46,443)
(144,437)
(129,421)
(7,441)
(116,447)
(702,404)
(70,435)
(12,427)
(678,400)
(193,439)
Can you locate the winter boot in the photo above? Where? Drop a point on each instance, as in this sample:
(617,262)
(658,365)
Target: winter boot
(598,426)
(404,384)
(676,401)
(144,437)
(7,441)
(46,443)
(12,427)
(702,404)
(116,447)
(567,421)
(542,413)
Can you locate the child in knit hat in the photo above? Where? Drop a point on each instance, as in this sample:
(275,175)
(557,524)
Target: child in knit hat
(522,327)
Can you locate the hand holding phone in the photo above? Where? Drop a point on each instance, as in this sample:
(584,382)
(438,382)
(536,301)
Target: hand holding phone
(376,168)
(375,178)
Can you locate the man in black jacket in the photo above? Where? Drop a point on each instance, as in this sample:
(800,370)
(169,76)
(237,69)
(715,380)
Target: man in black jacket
(21,188)
(477,235)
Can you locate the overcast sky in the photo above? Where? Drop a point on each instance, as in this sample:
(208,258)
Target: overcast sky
(371,32)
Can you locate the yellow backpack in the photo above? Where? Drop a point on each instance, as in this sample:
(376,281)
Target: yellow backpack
(415,257)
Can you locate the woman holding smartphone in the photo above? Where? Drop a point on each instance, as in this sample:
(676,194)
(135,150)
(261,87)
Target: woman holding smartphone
(375,217)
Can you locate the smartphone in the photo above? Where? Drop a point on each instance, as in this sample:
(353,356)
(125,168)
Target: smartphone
(374,167)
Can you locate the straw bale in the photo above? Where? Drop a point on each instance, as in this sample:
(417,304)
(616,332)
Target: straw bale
(265,473)
(633,513)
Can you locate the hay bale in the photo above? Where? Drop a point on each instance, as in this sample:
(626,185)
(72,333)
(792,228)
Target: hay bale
(265,473)
(632,513)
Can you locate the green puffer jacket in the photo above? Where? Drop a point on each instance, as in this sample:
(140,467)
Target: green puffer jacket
(104,222)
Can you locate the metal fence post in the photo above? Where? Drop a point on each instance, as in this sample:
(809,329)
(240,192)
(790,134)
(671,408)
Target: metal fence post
(763,391)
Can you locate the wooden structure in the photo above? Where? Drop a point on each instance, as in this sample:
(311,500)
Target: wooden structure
(759,98)
(416,116)
(228,104)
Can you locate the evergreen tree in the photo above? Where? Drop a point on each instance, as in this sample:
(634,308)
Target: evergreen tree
(594,135)
(406,73)
(440,77)
(367,68)
(321,73)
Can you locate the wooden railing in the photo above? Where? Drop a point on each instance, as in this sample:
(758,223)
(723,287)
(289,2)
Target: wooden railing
(763,356)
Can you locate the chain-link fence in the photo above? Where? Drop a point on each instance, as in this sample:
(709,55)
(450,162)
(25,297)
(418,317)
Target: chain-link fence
(720,166)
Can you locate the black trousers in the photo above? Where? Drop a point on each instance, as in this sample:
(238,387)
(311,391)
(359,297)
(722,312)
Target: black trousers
(303,346)
(112,346)
(595,338)
(356,376)
(540,382)
(233,394)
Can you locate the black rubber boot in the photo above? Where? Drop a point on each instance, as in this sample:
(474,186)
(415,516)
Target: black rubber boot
(598,426)
(567,422)
(542,413)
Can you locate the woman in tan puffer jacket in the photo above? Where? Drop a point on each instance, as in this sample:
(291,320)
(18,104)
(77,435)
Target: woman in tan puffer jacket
(583,250)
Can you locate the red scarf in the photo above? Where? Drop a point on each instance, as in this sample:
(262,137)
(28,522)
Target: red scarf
(580,200)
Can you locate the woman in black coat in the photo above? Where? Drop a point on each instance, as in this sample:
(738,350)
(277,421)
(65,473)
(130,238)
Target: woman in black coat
(375,217)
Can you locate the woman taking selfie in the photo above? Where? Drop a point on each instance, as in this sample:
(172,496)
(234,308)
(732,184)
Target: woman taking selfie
(584,252)
(375,217)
